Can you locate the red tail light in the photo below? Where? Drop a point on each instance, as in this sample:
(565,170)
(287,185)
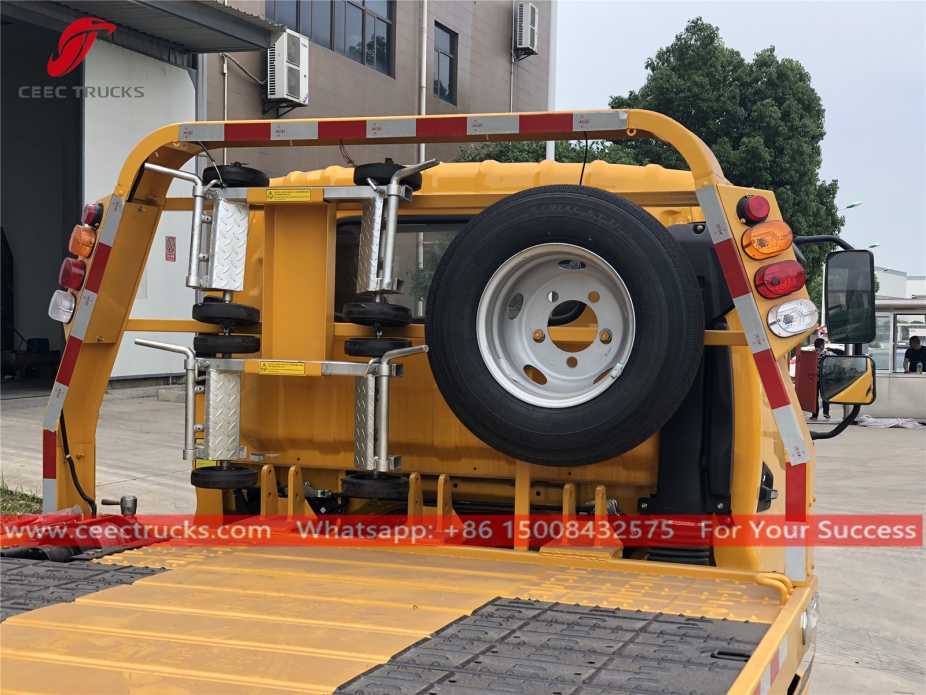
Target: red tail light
(779,279)
(753,209)
(72,273)
(93,215)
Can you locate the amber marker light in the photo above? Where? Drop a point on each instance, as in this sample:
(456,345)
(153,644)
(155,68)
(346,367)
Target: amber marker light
(82,240)
(767,239)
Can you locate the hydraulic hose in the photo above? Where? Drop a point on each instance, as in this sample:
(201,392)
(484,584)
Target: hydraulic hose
(67,457)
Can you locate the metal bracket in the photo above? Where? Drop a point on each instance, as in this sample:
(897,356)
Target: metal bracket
(371,413)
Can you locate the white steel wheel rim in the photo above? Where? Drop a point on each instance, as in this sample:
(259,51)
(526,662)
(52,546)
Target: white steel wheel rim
(541,278)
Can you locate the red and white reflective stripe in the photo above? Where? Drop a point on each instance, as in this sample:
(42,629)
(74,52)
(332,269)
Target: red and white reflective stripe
(772,380)
(83,312)
(771,672)
(406,128)
(796,449)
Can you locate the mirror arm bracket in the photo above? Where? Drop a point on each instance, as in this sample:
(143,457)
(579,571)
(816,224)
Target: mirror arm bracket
(823,239)
(838,429)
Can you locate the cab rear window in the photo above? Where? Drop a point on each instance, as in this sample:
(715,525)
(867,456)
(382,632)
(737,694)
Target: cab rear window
(420,244)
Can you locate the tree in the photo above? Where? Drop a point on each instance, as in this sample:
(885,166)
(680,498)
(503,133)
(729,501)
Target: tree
(536,152)
(762,119)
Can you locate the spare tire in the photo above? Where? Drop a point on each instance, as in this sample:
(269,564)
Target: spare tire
(487,325)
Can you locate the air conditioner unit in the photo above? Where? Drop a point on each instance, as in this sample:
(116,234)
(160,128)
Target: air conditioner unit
(288,69)
(526,35)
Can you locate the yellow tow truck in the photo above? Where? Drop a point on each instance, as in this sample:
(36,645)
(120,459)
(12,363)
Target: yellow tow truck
(481,350)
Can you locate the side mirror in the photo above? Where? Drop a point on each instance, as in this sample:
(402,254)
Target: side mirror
(849,289)
(848,379)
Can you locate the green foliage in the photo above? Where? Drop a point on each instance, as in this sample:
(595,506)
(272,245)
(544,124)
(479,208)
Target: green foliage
(762,119)
(536,152)
(419,279)
(17,501)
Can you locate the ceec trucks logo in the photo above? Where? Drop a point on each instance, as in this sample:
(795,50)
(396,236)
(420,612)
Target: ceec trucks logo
(74,44)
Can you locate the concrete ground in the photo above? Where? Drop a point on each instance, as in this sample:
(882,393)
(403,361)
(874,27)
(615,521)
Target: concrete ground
(139,445)
(872,636)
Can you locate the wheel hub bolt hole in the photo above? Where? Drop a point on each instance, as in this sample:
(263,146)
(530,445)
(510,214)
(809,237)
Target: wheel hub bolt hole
(605,337)
(553,296)
(539,336)
(572,362)
(593,297)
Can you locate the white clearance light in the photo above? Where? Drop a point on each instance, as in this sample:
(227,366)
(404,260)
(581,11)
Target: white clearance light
(792,317)
(809,620)
(62,306)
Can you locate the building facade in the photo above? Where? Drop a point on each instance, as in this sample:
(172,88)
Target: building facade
(364,60)
(66,136)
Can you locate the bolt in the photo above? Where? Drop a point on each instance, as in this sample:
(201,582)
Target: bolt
(644,505)
(605,337)
(538,336)
(720,505)
(99,339)
(699,228)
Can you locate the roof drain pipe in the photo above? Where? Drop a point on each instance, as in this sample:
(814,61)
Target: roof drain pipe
(551,76)
(422,110)
(423,69)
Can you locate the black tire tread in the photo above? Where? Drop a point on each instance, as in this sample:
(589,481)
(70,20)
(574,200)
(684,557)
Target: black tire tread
(223,478)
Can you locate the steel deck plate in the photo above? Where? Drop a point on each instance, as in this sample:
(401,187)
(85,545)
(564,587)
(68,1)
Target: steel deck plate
(309,620)
(539,647)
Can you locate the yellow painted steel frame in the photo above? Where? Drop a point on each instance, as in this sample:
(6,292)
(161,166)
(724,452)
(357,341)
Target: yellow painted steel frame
(290,278)
(307,422)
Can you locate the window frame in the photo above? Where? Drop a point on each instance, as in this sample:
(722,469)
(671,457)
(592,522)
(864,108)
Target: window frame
(452,57)
(303,25)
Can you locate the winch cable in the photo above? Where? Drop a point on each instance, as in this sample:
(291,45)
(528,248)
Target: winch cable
(584,159)
(67,457)
(209,155)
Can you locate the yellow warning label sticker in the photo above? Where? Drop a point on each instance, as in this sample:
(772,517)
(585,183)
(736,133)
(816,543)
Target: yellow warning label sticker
(283,195)
(287,368)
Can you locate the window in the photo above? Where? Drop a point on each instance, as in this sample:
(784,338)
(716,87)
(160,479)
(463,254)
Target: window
(905,327)
(424,238)
(362,30)
(445,64)
(880,349)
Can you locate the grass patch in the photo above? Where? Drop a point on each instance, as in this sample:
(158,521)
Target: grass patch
(18,502)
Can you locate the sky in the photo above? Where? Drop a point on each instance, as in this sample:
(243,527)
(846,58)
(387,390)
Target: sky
(867,60)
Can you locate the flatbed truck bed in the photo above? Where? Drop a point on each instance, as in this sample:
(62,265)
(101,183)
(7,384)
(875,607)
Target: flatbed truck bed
(434,620)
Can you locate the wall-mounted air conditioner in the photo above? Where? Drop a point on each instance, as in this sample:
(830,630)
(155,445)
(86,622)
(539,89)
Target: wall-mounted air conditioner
(526,34)
(288,69)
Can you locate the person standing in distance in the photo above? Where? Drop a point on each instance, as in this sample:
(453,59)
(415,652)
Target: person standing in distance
(914,359)
(820,346)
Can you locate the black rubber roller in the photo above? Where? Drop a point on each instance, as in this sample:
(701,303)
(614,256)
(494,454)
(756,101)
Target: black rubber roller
(377,314)
(382,172)
(373,347)
(223,477)
(236,176)
(226,314)
(366,486)
(211,344)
